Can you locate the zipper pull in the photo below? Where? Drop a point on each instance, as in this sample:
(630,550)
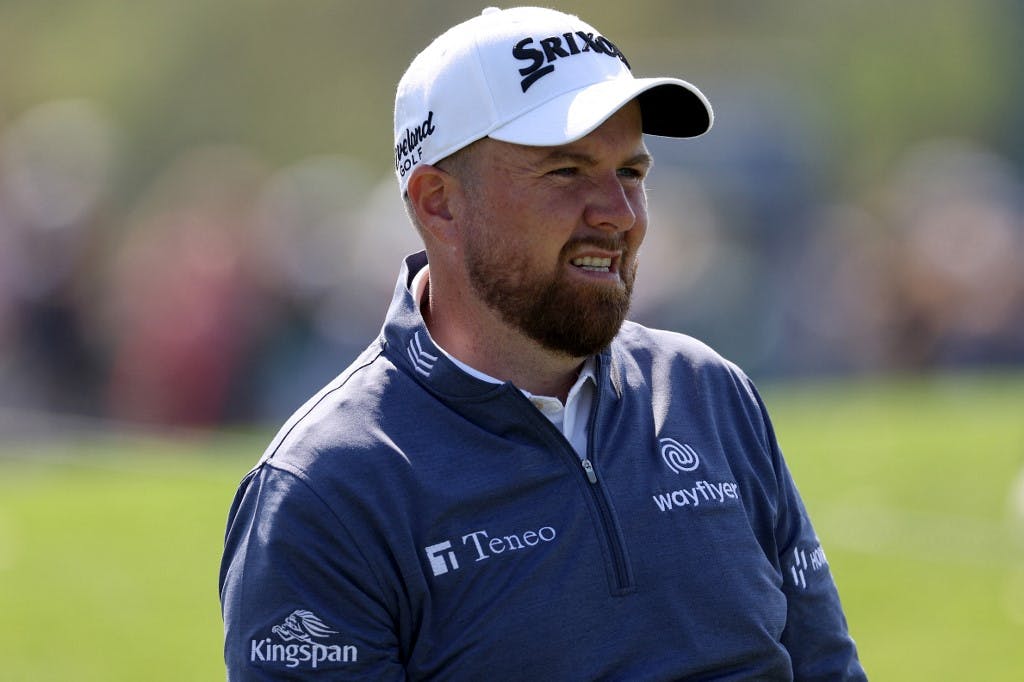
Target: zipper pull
(589,468)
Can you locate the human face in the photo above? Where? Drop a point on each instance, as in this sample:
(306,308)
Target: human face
(551,233)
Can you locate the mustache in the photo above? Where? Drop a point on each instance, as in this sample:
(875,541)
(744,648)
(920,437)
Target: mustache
(610,243)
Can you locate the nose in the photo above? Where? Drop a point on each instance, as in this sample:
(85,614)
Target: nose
(612,205)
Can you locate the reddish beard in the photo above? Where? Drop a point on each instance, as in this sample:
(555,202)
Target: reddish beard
(562,314)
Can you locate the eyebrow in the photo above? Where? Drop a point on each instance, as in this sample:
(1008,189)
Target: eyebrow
(562,155)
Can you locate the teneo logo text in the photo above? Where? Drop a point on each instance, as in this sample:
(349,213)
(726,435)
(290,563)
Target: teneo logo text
(543,54)
(678,456)
(408,151)
(298,643)
(481,545)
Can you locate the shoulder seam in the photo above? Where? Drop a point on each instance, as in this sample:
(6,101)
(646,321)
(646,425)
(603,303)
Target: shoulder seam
(301,475)
(351,372)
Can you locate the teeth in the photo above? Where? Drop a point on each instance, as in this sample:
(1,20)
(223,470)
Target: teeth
(591,263)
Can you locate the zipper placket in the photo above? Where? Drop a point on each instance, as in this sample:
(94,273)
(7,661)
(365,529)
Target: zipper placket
(608,526)
(600,496)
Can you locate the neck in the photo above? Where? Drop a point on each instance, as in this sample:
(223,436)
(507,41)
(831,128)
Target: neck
(491,346)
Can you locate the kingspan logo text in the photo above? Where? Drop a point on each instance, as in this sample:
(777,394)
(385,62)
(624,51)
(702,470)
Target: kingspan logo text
(301,628)
(266,651)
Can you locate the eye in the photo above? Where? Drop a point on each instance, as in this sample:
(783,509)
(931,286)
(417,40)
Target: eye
(566,172)
(631,173)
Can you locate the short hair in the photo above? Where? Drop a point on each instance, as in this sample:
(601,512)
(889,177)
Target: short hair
(458,164)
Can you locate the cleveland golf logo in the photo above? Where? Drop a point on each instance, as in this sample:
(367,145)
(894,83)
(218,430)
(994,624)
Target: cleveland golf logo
(409,145)
(298,643)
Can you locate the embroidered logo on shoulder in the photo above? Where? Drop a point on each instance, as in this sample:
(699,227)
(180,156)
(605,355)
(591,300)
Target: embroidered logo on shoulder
(303,626)
(806,563)
(422,361)
(302,640)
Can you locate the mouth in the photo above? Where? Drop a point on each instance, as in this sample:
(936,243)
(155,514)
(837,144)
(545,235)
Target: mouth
(594,263)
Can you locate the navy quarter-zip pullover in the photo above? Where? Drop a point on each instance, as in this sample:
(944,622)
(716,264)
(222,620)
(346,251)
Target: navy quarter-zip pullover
(413,522)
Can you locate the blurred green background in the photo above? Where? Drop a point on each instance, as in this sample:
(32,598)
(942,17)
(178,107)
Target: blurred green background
(199,227)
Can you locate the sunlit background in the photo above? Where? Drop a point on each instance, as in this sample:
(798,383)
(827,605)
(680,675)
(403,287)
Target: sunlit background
(199,227)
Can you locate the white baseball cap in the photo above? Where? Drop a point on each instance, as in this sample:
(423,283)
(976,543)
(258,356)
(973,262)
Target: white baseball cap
(530,76)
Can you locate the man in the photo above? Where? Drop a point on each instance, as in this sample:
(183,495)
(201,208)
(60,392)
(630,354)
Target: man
(512,482)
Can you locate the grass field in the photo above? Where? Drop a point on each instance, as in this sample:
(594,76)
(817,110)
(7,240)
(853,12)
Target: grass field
(109,544)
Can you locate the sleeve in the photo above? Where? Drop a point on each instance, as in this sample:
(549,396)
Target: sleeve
(299,600)
(816,633)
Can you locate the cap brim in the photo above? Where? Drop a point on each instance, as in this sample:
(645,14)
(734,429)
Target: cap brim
(670,107)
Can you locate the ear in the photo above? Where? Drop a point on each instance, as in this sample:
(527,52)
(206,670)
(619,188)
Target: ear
(431,191)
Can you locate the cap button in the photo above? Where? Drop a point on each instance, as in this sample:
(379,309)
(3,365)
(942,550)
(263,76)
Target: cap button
(490,10)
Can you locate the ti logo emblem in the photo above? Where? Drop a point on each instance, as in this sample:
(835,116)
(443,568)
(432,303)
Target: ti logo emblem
(440,563)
